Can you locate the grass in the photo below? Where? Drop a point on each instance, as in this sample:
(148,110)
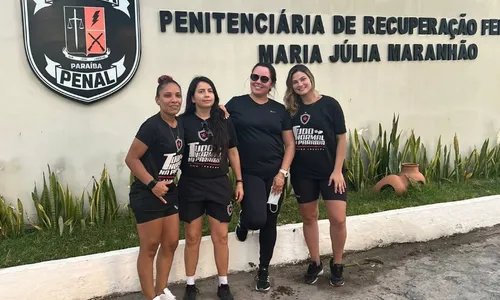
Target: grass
(34,246)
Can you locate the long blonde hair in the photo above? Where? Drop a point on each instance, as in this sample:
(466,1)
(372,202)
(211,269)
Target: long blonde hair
(291,99)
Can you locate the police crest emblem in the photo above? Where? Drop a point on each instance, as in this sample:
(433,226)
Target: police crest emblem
(84,50)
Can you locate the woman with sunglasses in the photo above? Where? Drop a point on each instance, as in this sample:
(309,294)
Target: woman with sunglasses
(204,185)
(266,148)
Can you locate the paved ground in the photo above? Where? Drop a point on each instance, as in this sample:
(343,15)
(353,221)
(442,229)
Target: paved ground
(459,267)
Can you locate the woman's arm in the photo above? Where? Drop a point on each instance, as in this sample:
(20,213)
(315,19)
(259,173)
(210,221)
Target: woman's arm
(289,142)
(133,161)
(337,177)
(279,179)
(234,160)
(341,152)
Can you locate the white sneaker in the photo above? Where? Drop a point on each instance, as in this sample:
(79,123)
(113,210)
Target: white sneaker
(167,295)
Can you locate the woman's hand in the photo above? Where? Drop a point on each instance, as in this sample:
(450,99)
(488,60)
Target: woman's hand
(337,178)
(161,189)
(226,113)
(278,183)
(238,192)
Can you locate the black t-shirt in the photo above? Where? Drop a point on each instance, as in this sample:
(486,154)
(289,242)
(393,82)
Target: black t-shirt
(163,157)
(198,159)
(259,128)
(315,127)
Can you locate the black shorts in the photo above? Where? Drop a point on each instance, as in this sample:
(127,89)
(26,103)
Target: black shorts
(142,216)
(210,196)
(147,207)
(308,190)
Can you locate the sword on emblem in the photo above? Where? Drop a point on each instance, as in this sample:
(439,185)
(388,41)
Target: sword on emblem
(76,26)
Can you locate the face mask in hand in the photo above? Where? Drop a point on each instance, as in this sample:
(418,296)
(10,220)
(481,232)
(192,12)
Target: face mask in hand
(273,201)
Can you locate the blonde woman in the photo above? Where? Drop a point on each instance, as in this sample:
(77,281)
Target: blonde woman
(318,167)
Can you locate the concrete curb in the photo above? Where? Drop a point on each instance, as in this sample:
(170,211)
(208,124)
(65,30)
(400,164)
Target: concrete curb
(84,277)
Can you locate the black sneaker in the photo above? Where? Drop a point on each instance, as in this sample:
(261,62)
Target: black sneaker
(313,271)
(262,280)
(224,292)
(241,232)
(336,271)
(191,292)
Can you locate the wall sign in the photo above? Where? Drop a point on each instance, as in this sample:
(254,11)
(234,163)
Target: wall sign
(441,38)
(84,50)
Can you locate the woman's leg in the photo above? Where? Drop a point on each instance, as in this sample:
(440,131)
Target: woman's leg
(192,250)
(336,210)
(150,233)
(309,213)
(267,240)
(169,242)
(219,233)
(191,210)
(337,215)
(307,194)
(252,215)
(191,213)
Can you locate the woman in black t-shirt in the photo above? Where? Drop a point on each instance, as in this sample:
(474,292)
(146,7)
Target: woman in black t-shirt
(318,167)
(154,158)
(266,148)
(204,185)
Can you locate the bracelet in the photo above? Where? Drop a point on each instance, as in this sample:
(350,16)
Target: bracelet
(239,180)
(152,184)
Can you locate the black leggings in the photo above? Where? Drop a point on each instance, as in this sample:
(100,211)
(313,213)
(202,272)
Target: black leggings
(256,214)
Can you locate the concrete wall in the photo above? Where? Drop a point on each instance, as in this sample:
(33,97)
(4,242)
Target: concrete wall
(38,127)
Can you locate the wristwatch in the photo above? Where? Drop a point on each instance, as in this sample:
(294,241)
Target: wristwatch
(152,183)
(284,172)
(239,180)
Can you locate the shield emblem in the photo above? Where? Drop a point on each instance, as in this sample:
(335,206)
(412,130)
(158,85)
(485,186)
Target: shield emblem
(203,135)
(178,144)
(304,119)
(84,50)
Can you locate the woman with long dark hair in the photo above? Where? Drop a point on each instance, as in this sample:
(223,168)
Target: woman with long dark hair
(204,185)
(266,147)
(318,167)
(154,158)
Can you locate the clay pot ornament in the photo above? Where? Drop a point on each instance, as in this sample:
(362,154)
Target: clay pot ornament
(400,182)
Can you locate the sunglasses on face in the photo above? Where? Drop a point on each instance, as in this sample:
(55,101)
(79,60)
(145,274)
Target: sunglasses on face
(263,79)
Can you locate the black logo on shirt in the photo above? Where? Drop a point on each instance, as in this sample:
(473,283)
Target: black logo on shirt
(203,135)
(83,50)
(304,119)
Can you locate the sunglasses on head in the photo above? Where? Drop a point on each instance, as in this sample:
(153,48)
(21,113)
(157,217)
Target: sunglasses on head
(263,79)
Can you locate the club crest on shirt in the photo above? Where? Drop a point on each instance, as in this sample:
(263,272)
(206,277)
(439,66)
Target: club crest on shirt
(178,144)
(230,209)
(304,119)
(203,135)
